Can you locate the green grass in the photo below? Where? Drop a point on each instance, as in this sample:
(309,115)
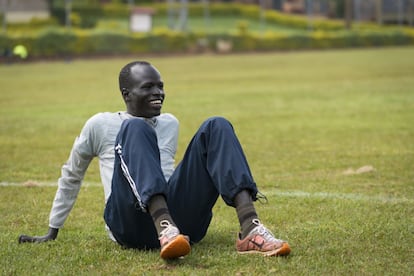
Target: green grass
(304,118)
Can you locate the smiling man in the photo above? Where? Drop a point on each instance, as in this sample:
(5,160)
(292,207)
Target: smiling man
(149,202)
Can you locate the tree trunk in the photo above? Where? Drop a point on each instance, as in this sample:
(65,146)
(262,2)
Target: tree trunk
(348,14)
(378,8)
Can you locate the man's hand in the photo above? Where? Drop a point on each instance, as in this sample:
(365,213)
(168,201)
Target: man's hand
(51,235)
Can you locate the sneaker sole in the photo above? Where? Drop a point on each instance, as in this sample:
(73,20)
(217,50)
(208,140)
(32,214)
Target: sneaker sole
(283,251)
(176,248)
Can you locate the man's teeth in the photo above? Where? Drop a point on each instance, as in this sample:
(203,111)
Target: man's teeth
(156,102)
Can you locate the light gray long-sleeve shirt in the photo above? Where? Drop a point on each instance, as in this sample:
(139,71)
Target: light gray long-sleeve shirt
(97,139)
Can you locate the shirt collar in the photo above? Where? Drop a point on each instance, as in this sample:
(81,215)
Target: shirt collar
(151,121)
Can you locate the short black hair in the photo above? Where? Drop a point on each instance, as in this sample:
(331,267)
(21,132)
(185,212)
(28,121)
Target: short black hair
(124,75)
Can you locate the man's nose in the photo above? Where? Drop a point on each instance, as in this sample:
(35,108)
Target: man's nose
(158,91)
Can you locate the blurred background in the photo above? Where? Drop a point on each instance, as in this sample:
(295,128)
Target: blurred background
(75,28)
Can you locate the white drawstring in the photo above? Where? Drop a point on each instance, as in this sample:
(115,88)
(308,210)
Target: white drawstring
(128,176)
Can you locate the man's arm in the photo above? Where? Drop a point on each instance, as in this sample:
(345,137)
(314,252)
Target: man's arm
(69,184)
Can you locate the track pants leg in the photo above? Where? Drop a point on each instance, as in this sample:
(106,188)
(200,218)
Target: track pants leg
(137,176)
(214,164)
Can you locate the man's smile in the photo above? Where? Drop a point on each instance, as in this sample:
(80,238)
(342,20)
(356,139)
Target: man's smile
(156,103)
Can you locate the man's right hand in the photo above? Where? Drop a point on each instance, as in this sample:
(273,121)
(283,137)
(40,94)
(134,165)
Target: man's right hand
(51,235)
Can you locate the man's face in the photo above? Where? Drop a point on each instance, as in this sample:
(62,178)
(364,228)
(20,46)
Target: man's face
(146,95)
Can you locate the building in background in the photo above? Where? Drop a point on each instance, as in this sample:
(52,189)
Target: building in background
(24,10)
(141,19)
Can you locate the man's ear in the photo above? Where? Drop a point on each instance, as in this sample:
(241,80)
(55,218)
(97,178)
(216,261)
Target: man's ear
(125,93)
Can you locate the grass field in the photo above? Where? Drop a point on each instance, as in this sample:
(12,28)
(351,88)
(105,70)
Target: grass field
(307,120)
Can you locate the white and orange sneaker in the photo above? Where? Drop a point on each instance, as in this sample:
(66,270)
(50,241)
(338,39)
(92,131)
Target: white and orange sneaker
(261,241)
(173,244)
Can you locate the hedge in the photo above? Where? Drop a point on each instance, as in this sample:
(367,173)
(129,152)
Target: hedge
(55,43)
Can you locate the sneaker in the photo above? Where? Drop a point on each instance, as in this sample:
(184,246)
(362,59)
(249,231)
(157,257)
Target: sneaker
(261,241)
(173,244)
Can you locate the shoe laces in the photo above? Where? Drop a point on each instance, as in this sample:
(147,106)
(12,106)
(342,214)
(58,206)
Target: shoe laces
(261,198)
(169,231)
(264,232)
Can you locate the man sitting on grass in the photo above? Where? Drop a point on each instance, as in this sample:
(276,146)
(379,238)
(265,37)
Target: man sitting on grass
(149,203)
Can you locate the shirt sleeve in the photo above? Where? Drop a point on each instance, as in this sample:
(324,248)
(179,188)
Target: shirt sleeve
(168,141)
(72,174)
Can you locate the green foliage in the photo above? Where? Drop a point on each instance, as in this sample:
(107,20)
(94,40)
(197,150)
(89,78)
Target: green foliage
(108,43)
(53,43)
(243,27)
(163,40)
(33,25)
(87,11)
(115,11)
(75,19)
(198,9)
(82,22)
(252,12)
(285,32)
(4,42)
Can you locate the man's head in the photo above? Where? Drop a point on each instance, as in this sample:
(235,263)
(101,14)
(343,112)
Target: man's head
(142,89)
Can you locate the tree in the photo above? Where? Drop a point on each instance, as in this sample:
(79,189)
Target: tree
(68,11)
(5,8)
(348,14)
(178,19)
(378,8)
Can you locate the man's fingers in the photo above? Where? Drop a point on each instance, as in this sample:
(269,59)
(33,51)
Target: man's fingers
(51,235)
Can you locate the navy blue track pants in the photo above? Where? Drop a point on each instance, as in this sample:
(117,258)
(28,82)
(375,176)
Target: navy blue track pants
(214,164)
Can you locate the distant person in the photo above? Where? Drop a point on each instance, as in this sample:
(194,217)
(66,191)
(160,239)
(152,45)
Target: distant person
(20,51)
(149,202)
(7,54)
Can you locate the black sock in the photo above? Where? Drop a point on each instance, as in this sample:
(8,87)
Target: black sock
(158,209)
(245,212)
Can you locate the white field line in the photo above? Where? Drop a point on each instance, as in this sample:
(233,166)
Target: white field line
(353,197)
(43,184)
(266,192)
